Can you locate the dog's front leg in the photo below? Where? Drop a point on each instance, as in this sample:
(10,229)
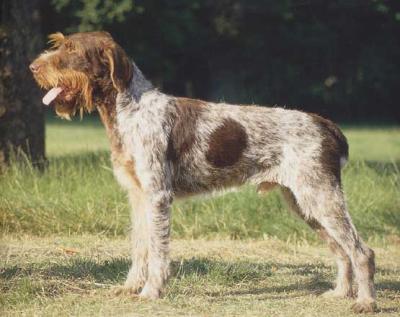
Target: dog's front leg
(137,275)
(158,222)
(154,173)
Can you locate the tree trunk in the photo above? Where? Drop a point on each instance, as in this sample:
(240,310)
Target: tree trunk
(21,113)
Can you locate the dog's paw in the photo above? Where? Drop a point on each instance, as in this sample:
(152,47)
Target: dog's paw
(364,307)
(124,291)
(149,293)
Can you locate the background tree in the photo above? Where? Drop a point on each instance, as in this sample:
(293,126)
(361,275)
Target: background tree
(21,114)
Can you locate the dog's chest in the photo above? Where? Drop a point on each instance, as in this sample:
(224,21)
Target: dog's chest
(143,127)
(124,170)
(142,131)
(124,165)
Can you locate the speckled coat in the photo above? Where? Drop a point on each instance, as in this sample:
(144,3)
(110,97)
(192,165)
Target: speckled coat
(183,146)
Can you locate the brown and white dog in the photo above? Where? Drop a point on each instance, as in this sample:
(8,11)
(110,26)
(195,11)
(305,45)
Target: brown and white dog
(164,147)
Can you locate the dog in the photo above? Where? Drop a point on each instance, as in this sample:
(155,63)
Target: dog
(164,147)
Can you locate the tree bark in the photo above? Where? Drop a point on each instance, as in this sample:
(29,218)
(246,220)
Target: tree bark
(21,113)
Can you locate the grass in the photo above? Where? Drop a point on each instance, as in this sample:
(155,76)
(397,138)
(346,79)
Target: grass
(62,242)
(73,275)
(64,138)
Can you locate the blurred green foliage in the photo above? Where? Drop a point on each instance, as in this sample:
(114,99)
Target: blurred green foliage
(337,58)
(94,14)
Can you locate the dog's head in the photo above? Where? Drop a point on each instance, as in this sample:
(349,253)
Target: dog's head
(81,70)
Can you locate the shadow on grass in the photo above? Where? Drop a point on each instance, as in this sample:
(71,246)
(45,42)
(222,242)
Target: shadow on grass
(317,285)
(95,158)
(383,167)
(388,286)
(190,271)
(107,271)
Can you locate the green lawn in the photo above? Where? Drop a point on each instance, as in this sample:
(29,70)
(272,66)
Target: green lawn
(76,137)
(234,254)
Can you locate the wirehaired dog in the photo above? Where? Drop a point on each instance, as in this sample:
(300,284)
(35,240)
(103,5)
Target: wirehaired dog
(164,147)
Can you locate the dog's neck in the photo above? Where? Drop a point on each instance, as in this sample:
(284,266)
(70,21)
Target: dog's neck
(128,98)
(138,86)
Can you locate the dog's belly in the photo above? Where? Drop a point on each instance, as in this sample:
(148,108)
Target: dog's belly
(198,176)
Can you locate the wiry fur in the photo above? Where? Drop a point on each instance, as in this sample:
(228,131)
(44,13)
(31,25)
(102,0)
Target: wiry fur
(165,147)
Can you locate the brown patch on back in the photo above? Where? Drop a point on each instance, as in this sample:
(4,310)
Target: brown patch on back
(183,134)
(226,144)
(334,145)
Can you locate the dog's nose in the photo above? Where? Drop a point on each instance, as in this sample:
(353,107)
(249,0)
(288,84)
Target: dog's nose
(34,67)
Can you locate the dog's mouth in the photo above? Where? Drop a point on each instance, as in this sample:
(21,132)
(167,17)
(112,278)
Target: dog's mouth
(59,94)
(67,91)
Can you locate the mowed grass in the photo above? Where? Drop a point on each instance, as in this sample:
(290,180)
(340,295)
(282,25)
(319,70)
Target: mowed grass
(63,239)
(75,275)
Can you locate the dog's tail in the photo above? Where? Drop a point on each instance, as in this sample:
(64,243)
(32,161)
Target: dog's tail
(341,140)
(333,133)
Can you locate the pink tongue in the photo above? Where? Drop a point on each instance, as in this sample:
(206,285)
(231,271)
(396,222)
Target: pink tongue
(51,95)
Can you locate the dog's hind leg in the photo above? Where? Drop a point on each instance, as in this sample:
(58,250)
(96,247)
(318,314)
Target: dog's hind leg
(345,274)
(325,203)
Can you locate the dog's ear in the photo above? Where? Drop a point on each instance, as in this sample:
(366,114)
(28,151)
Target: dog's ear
(120,66)
(56,39)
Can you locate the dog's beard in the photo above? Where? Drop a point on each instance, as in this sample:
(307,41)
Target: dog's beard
(69,90)
(66,111)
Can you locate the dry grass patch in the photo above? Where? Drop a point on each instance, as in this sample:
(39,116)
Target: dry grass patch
(73,275)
